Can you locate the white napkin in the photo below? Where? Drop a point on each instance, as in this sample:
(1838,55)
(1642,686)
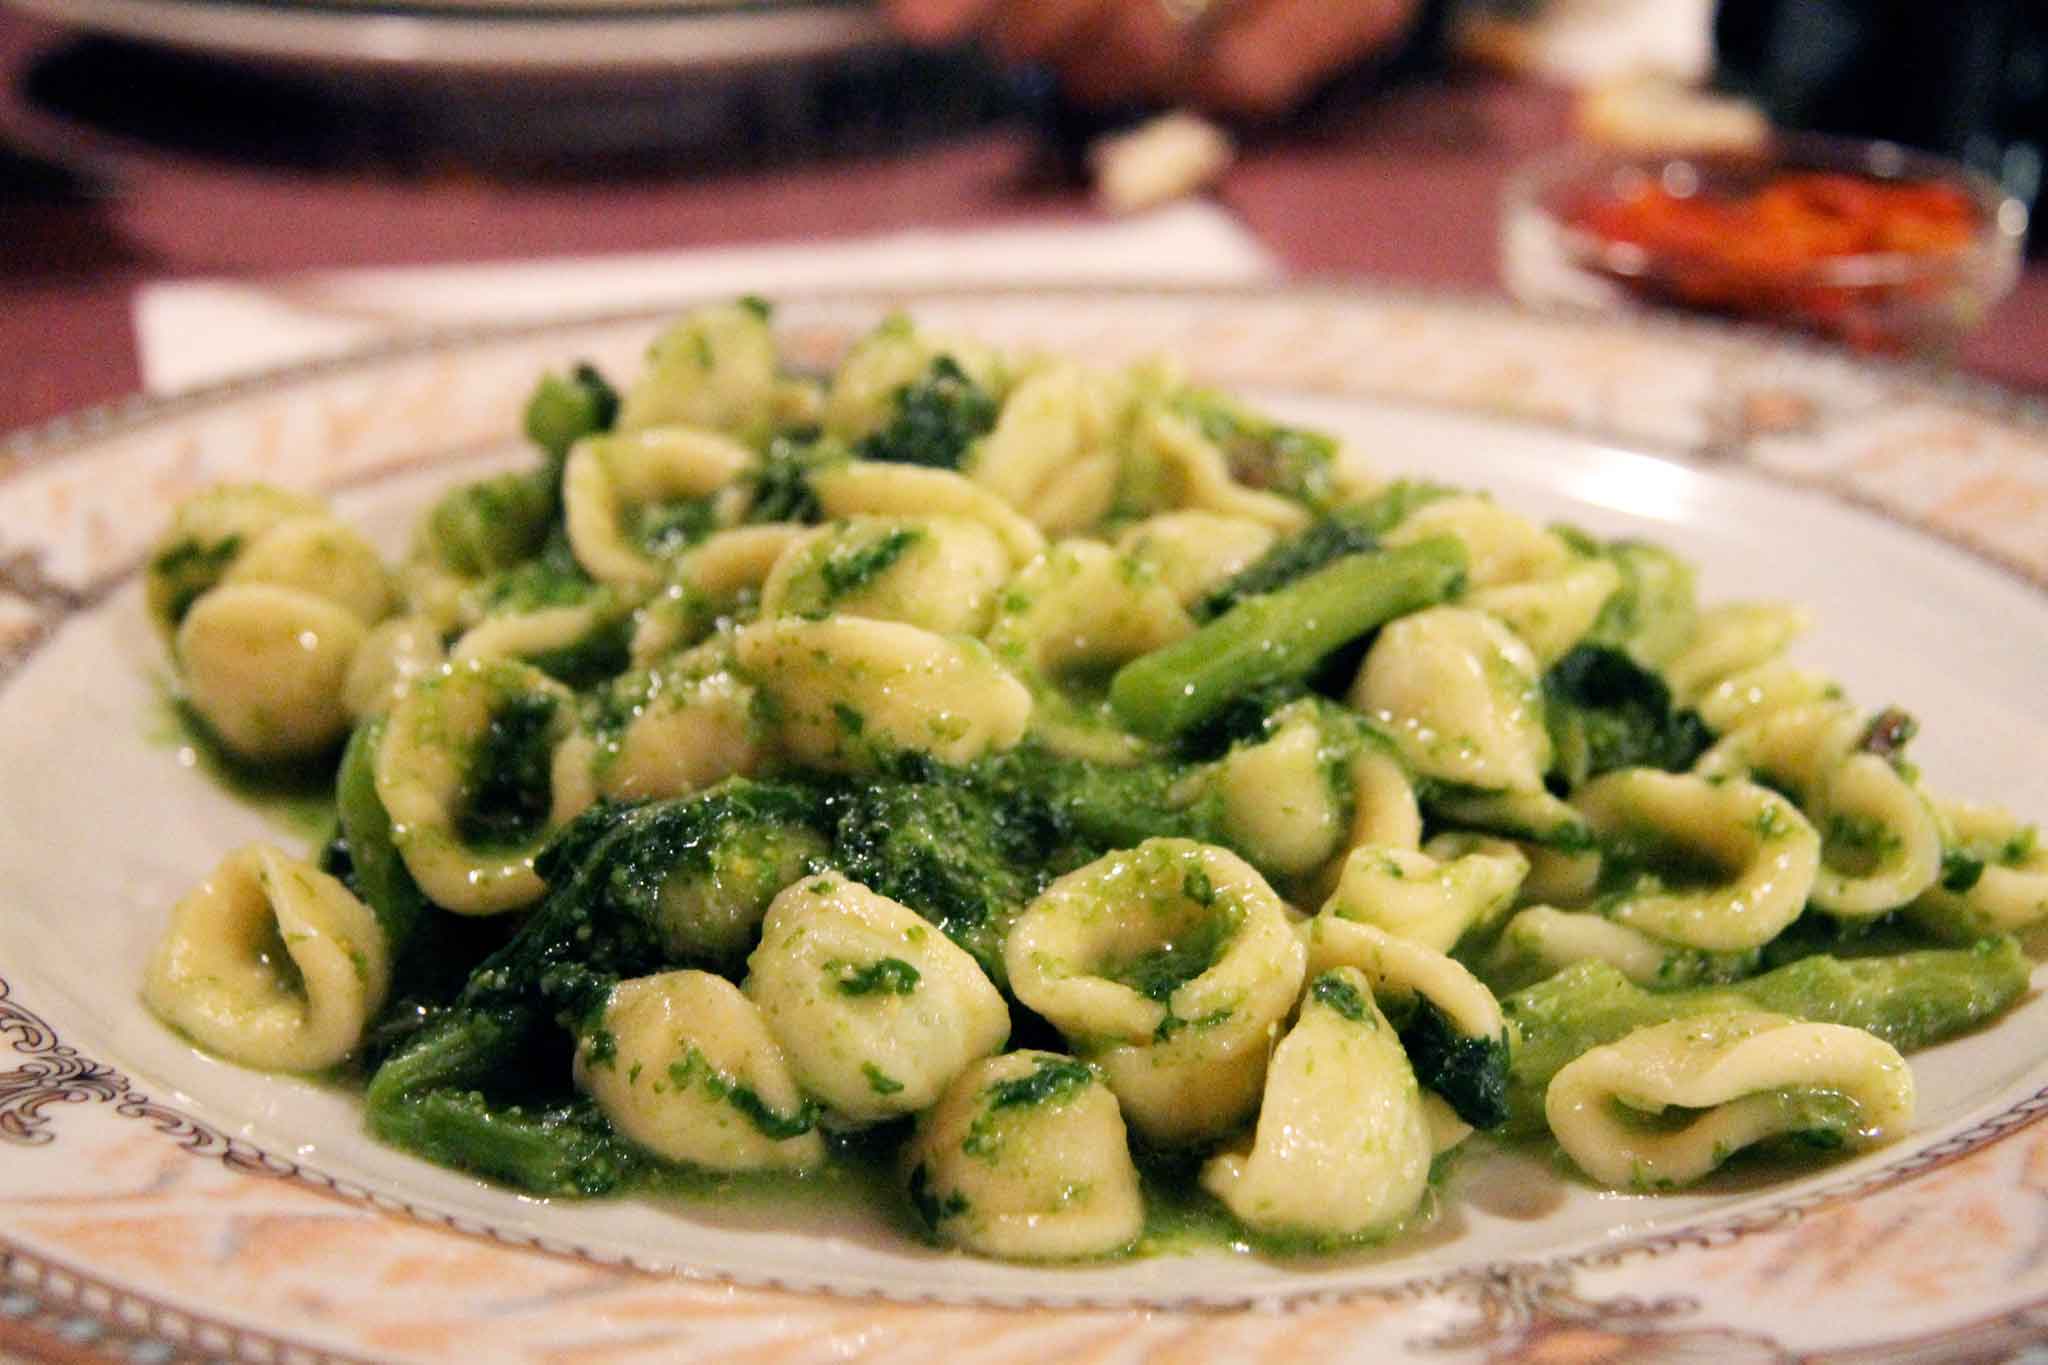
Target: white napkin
(194,332)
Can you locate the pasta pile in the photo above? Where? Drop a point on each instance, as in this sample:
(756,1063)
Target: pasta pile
(1062,786)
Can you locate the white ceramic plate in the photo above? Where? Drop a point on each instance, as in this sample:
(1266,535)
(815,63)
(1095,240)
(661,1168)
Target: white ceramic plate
(582,36)
(150,1196)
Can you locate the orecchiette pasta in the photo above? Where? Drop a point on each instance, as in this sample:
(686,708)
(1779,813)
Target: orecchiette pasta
(266,666)
(469,769)
(683,1065)
(1998,878)
(1177,468)
(1065,623)
(1730,863)
(681,726)
(632,500)
(1279,804)
(1458,692)
(318,555)
(1343,1144)
(1418,897)
(1730,640)
(271,963)
(1526,576)
(877,1010)
(1169,965)
(209,532)
(1192,552)
(1668,1104)
(1025,1157)
(864,387)
(715,369)
(385,664)
(843,689)
(941,573)
(893,490)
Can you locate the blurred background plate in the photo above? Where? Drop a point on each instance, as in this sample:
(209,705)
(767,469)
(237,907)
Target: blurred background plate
(484,35)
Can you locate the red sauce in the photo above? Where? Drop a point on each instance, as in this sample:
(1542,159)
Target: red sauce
(1763,252)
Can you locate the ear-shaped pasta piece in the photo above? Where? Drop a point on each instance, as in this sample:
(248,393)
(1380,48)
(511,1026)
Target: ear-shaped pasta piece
(1413,895)
(1557,877)
(1343,1144)
(1383,809)
(716,369)
(271,963)
(209,531)
(877,1010)
(1667,1104)
(1043,428)
(1881,844)
(1525,817)
(1529,578)
(682,1064)
(680,727)
(1278,802)
(576,642)
(1542,941)
(940,573)
(874,488)
(1730,863)
(1996,879)
(266,667)
(1194,552)
(385,664)
(1170,965)
(1065,624)
(1793,748)
(632,501)
(1398,968)
(318,555)
(473,772)
(1025,1158)
(842,690)
(862,398)
(1731,639)
(710,579)
(1174,467)
(1753,693)
(1458,691)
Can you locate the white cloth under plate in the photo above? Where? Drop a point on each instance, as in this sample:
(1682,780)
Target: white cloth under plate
(195,332)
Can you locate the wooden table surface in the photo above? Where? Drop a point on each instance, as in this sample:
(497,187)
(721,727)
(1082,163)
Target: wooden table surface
(1400,190)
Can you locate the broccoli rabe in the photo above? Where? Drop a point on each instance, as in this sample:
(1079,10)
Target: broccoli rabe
(1908,999)
(937,419)
(948,852)
(1282,635)
(1605,711)
(1470,1073)
(494,524)
(1651,615)
(780,486)
(565,409)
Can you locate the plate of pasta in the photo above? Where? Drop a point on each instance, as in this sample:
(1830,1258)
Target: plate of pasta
(892,815)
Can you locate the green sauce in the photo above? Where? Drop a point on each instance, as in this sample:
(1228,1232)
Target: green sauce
(297,797)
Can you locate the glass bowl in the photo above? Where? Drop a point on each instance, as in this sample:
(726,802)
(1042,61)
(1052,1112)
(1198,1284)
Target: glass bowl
(1890,251)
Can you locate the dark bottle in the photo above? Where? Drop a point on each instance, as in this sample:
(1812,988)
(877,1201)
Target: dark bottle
(1965,78)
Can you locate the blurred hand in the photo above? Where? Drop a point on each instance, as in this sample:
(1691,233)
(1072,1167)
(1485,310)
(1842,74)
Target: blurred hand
(1252,57)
